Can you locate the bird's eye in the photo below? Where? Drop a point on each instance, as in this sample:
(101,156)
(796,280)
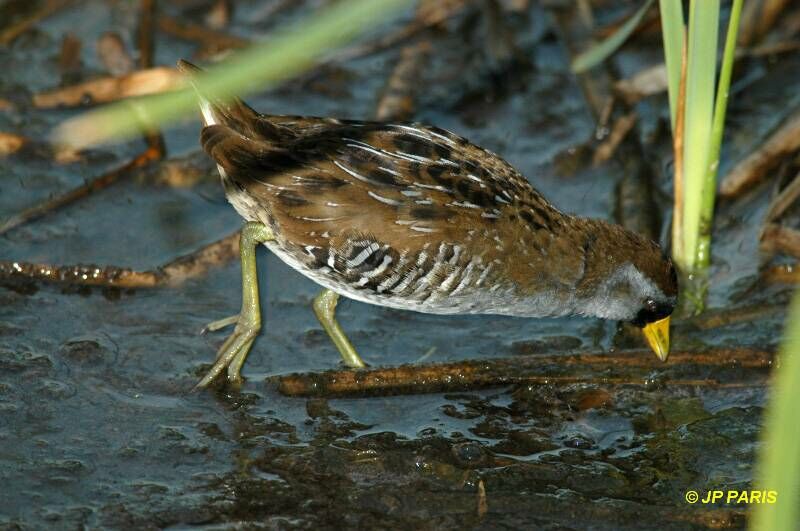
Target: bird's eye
(651,305)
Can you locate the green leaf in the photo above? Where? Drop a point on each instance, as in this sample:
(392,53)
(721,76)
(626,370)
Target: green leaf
(778,467)
(598,53)
(699,111)
(672,32)
(703,250)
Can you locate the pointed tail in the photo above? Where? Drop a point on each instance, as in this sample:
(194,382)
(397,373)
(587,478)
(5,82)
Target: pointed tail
(233,113)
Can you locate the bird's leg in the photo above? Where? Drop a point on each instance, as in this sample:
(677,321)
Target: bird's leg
(233,351)
(325,309)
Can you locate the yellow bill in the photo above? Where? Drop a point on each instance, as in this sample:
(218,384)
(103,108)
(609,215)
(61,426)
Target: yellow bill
(657,335)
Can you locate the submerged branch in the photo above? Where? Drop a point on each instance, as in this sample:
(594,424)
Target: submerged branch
(750,171)
(172,274)
(782,274)
(152,153)
(8,35)
(629,368)
(397,100)
(776,238)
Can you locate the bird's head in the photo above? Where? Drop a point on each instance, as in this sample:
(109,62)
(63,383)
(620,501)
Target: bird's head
(628,277)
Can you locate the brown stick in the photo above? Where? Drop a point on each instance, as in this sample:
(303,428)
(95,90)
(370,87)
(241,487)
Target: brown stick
(144,37)
(777,238)
(749,172)
(10,143)
(429,13)
(185,171)
(782,274)
(397,100)
(209,38)
(629,368)
(146,43)
(8,35)
(172,274)
(95,185)
(758,18)
(635,208)
(113,54)
(107,89)
(783,200)
(652,79)
(608,147)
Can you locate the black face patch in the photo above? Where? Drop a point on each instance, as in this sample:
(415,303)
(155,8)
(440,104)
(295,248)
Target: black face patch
(652,312)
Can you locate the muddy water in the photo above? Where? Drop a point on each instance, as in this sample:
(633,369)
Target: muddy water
(97,424)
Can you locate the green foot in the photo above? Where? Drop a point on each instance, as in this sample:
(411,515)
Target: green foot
(234,350)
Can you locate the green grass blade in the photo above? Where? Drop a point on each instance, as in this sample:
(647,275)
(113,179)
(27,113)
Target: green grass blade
(779,456)
(672,32)
(703,250)
(284,55)
(700,77)
(598,53)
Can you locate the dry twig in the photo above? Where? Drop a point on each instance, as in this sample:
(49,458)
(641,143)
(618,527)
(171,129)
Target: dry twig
(96,184)
(782,274)
(757,19)
(10,143)
(107,89)
(776,238)
(397,100)
(750,171)
(430,13)
(635,197)
(786,198)
(69,59)
(113,54)
(208,38)
(652,80)
(146,42)
(8,35)
(218,15)
(622,126)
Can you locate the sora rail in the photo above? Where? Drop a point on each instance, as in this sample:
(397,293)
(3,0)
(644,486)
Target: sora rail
(417,218)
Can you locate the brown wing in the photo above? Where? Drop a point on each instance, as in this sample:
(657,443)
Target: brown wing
(356,196)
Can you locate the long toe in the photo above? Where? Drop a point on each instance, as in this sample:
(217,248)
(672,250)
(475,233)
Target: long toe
(220,324)
(233,351)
